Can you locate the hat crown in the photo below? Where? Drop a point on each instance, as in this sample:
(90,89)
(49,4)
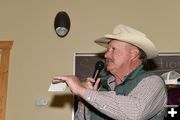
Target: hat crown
(132,36)
(123,29)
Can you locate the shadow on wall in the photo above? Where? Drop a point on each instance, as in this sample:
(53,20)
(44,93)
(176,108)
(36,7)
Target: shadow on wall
(61,100)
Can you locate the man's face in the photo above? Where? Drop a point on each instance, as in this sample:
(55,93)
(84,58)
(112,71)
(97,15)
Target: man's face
(118,56)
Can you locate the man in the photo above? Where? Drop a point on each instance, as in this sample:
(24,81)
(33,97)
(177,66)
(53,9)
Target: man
(128,92)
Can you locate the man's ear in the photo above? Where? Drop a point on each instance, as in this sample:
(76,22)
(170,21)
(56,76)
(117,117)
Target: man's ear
(135,53)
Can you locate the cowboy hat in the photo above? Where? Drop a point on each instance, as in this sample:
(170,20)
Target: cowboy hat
(130,35)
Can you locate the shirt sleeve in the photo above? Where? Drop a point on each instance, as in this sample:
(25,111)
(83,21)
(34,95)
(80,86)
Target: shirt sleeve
(147,99)
(79,115)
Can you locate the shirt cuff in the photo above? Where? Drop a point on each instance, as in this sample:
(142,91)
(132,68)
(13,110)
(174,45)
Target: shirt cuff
(89,95)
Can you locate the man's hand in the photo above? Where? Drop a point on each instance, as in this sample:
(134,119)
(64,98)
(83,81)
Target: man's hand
(90,83)
(73,82)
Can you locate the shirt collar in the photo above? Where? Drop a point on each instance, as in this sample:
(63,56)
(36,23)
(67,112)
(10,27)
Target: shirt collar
(106,81)
(133,74)
(128,77)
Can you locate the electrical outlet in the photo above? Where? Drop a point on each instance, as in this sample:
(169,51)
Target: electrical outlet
(41,102)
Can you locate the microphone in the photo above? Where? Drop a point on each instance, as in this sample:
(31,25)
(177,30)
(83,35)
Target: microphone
(98,67)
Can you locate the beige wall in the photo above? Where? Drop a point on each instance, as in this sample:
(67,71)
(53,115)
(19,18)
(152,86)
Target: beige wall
(38,54)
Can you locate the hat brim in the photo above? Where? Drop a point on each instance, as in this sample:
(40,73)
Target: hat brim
(141,42)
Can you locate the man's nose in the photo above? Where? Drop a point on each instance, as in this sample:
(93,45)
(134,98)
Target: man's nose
(107,54)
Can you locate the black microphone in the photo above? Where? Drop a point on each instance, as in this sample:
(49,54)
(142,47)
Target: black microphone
(98,67)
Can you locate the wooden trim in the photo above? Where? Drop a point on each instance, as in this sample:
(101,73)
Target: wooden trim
(6,44)
(5,47)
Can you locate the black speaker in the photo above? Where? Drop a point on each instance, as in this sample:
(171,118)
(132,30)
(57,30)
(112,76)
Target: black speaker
(62,24)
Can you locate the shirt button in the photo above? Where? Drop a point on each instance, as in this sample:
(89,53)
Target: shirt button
(88,98)
(103,107)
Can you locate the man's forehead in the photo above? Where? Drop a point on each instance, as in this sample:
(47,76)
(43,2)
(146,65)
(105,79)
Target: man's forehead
(119,43)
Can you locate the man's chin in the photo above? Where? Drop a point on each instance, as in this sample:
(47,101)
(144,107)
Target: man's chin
(109,68)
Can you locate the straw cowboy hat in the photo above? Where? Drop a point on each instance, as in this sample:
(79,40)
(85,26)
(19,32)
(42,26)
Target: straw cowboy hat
(132,36)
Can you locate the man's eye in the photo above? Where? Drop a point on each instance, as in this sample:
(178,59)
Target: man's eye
(112,49)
